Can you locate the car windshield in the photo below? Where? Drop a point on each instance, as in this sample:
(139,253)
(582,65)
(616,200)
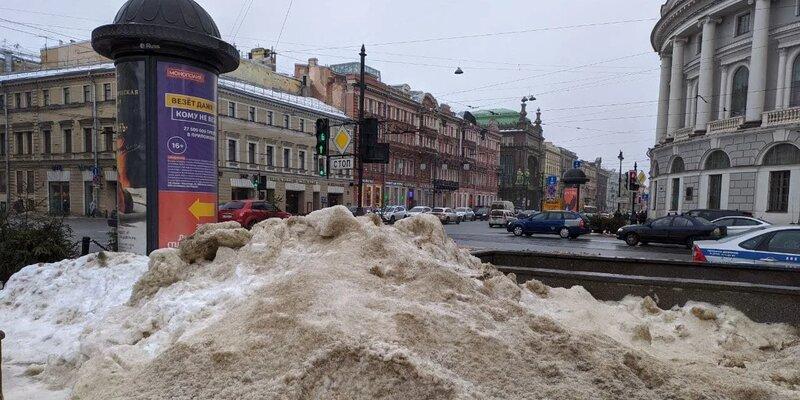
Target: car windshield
(389,209)
(703,220)
(464,209)
(234,205)
(438,210)
(418,209)
(498,213)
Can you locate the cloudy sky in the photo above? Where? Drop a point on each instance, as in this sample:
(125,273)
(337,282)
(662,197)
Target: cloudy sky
(588,62)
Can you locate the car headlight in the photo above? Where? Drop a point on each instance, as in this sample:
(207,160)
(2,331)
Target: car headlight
(619,230)
(717,232)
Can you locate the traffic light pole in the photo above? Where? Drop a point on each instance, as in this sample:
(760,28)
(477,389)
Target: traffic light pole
(361,89)
(633,195)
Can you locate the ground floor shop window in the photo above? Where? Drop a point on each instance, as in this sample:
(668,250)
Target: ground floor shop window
(293,202)
(241,194)
(335,199)
(89,204)
(779,191)
(714,191)
(676,194)
(59,197)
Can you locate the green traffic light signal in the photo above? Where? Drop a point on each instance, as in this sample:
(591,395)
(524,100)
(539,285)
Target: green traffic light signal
(323,132)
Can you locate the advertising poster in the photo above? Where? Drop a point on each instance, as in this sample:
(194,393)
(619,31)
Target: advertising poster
(131,158)
(187,167)
(571,199)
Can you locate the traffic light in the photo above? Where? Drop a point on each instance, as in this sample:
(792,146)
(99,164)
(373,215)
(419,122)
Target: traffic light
(633,183)
(323,133)
(372,152)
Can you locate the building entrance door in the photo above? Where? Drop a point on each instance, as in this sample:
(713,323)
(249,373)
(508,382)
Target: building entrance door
(293,202)
(59,197)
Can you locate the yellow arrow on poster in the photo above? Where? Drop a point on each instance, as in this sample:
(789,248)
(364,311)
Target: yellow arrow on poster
(200,210)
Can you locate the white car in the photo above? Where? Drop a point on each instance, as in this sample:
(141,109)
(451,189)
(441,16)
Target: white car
(501,218)
(739,224)
(393,213)
(465,213)
(778,245)
(418,210)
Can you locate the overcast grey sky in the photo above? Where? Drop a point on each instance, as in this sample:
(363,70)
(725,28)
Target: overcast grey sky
(547,60)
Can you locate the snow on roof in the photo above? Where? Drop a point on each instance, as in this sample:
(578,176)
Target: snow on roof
(308,103)
(49,73)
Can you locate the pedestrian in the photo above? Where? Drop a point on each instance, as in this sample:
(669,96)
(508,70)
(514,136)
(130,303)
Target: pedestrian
(92,208)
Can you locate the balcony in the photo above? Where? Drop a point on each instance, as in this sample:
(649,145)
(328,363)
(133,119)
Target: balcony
(725,125)
(781,117)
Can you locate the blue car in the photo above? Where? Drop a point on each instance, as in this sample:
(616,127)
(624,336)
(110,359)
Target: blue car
(562,223)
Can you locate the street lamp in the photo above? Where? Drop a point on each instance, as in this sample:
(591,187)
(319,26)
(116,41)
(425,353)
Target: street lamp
(619,184)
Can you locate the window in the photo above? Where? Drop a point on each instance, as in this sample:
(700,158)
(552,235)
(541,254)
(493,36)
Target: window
(87,140)
(689,193)
(29,143)
(739,92)
(2,100)
(794,97)
(31,180)
(726,222)
(231,150)
(742,24)
(778,191)
(45,97)
(232,109)
(718,160)
(47,142)
(251,115)
(3,182)
(301,156)
(782,154)
(681,222)
(787,241)
(287,158)
(678,166)
(106,91)
(19,143)
(65,93)
(20,182)
(2,143)
(699,46)
(270,156)
(745,222)
(751,244)
(270,116)
(67,141)
(714,191)
(251,153)
(286,121)
(302,125)
(676,194)
(28,99)
(655,193)
(87,93)
(662,222)
(17,100)
(108,134)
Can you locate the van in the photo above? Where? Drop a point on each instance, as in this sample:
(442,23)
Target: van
(502,205)
(499,217)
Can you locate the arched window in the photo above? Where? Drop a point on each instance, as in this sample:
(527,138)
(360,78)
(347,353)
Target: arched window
(718,160)
(677,166)
(739,92)
(782,154)
(794,99)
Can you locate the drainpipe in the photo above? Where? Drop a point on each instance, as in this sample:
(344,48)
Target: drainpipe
(95,187)
(7,148)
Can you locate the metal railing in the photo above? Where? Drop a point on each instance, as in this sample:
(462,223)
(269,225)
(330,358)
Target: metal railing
(725,125)
(781,117)
(682,134)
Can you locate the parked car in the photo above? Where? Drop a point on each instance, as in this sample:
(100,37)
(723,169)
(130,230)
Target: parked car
(249,212)
(501,217)
(778,245)
(502,205)
(393,213)
(736,225)
(566,224)
(446,215)
(418,210)
(481,213)
(674,229)
(465,213)
(711,215)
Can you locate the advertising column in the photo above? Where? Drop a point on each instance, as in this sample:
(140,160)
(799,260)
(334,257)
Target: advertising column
(187,168)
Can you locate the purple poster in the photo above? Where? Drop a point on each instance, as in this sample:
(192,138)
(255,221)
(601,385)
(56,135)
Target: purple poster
(187,145)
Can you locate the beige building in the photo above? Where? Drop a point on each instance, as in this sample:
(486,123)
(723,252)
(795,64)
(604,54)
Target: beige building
(57,124)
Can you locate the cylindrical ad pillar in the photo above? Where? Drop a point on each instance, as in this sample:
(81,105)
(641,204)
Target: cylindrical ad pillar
(168,55)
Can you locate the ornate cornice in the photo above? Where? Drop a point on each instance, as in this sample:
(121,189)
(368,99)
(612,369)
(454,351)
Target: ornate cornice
(677,12)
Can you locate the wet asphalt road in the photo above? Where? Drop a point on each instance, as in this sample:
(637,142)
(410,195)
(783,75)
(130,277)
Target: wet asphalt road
(478,236)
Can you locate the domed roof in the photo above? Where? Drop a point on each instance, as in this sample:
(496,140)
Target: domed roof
(175,28)
(574,176)
(183,14)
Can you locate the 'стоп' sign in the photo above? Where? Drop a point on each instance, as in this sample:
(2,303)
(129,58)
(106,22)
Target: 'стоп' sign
(342,163)
(187,177)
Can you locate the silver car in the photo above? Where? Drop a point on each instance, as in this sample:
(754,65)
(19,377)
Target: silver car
(739,224)
(418,210)
(393,213)
(446,215)
(465,213)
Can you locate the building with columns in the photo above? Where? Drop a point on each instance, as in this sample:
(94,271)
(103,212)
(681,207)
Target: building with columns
(728,108)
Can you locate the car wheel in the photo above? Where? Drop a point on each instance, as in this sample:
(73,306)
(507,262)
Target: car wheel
(690,242)
(518,231)
(458,221)
(391,219)
(564,233)
(632,239)
(249,224)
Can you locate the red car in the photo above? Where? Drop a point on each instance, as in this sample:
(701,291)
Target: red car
(249,212)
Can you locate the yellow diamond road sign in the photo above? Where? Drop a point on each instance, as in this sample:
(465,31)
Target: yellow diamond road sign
(342,140)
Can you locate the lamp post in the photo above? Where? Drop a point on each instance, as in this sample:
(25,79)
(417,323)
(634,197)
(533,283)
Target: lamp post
(633,199)
(619,184)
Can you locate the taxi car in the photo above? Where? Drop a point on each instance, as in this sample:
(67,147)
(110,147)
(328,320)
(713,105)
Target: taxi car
(778,245)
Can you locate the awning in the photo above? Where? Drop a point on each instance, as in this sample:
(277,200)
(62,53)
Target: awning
(241,183)
(58,176)
(111,176)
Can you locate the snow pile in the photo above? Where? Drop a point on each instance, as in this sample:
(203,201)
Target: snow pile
(330,306)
